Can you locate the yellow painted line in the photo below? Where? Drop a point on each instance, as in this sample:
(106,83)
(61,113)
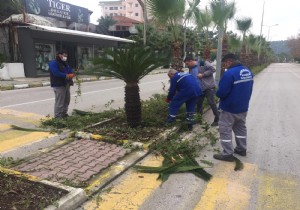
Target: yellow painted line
(131,192)
(4,127)
(277,192)
(13,139)
(102,178)
(19,174)
(22,116)
(228,189)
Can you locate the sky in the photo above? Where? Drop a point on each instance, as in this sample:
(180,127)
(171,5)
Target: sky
(281,17)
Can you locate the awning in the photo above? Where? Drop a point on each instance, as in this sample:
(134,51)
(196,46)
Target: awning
(76,33)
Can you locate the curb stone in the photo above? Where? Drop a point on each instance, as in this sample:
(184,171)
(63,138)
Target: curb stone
(45,84)
(73,199)
(21,86)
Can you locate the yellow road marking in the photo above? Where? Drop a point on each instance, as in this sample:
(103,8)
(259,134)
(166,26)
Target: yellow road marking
(228,189)
(8,114)
(14,139)
(4,127)
(131,192)
(278,192)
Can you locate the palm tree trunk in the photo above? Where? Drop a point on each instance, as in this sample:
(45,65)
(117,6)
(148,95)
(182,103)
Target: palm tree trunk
(243,55)
(225,44)
(177,59)
(133,104)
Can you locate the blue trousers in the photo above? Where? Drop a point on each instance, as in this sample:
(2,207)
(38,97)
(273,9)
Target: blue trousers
(178,100)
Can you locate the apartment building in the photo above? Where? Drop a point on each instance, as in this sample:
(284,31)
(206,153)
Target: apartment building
(127,8)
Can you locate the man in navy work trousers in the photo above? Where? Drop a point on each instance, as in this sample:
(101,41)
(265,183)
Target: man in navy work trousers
(61,78)
(184,88)
(234,91)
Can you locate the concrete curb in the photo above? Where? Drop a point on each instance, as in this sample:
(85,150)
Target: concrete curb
(73,199)
(21,86)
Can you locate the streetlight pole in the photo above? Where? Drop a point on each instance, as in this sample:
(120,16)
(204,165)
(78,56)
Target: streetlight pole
(219,50)
(261,25)
(269,27)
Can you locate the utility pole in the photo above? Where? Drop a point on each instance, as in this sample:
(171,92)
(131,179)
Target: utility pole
(219,51)
(145,22)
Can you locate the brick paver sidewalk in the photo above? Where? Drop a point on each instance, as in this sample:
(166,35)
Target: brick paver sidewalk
(77,161)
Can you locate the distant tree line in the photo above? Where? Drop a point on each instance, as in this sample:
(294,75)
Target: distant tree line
(294,45)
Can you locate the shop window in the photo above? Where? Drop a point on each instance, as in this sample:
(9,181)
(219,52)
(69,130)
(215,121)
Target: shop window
(111,8)
(44,53)
(84,58)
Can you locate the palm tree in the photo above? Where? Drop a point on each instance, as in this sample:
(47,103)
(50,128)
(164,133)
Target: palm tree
(9,7)
(204,21)
(172,14)
(104,23)
(252,45)
(129,64)
(234,43)
(221,13)
(244,25)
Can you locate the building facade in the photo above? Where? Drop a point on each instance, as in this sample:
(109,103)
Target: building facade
(34,38)
(127,8)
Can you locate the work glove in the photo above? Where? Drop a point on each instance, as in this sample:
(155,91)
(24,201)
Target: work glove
(168,100)
(70,76)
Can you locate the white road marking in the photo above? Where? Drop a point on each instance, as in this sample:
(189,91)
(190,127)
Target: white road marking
(87,93)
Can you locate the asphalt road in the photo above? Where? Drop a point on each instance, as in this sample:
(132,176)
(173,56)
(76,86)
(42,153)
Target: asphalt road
(95,96)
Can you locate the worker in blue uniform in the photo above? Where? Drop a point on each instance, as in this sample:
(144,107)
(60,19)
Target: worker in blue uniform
(184,88)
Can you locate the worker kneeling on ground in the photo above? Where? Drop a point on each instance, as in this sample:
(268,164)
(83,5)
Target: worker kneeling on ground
(184,88)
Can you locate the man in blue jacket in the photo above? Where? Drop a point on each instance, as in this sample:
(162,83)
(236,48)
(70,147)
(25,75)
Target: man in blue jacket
(184,88)
(234,91)
(61,78)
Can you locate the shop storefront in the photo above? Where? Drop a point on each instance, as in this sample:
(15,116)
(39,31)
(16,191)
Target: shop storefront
(38,45)
(35,44)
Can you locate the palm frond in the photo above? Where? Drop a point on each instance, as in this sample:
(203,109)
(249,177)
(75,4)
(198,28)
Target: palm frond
(180,164)
(167,11)
(15,127)
(80,112)
(129,64)
(221,13)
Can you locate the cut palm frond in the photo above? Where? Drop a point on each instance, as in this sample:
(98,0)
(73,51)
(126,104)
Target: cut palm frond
(182,163)
(80,112)
(15,127)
